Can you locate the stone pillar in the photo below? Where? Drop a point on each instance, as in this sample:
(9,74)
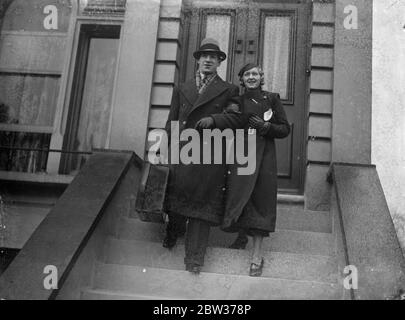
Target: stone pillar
(388,123)
(135,76)
(352,94)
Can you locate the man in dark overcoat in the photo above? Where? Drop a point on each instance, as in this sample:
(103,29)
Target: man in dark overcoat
(196,191)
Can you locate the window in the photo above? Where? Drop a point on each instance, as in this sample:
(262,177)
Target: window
(31,62)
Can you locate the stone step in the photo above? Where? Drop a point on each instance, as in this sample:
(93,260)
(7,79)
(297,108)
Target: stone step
(303,242)
(91,294)
(222,261)
(156,282)
(290,198)
(295,217)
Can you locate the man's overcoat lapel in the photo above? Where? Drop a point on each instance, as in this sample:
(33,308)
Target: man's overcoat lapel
(189,90)
(216,87)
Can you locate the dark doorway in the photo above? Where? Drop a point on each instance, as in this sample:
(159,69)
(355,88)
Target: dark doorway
(92,93)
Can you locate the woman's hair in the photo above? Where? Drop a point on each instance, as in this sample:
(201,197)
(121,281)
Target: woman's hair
(249,67)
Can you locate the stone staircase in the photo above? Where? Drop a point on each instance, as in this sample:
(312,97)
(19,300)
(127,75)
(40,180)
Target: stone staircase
(300,263)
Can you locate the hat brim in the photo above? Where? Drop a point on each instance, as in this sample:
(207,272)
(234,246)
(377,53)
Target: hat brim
(221,54)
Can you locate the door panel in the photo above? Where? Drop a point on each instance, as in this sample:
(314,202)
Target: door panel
(223,22)
(273,34)
(276,52)
(279,33)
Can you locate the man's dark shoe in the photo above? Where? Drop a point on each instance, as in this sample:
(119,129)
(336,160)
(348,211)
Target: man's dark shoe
(169,241)
(193,268)
(239,243)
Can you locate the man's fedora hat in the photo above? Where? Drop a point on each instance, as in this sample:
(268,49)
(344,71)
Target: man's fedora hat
(210,45)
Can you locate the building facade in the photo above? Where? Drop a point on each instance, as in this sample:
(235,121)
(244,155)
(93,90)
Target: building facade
(79,75)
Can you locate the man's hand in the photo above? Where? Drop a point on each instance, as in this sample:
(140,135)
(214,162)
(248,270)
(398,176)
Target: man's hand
(205,123)
(233,107)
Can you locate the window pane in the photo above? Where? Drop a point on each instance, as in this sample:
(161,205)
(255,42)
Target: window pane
(23,160)
(97,96)
(219,28)
(95,110)
(276,54)
(32,57)
(30,100)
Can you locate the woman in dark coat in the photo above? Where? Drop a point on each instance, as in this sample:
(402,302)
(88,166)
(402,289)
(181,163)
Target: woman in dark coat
(251,200)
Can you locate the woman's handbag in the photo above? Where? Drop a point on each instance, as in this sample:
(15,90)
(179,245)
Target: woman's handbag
(150,201)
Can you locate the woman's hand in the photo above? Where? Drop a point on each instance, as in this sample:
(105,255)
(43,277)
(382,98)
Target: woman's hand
(256,122)
(259,124)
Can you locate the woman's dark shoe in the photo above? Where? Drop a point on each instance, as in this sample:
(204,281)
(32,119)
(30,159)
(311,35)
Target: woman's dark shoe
(256,270)
(239,243)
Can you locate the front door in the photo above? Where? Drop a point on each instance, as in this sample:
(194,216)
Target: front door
(273,34)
